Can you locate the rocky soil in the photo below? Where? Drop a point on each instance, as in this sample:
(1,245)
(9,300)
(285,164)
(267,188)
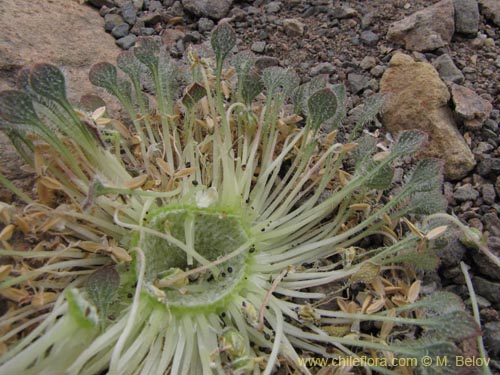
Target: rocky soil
(436,62)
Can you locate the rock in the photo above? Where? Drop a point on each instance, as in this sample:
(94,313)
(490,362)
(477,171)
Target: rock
(151,18)
(138,4)
(492,337)
(484,264)
(488,193)
(451,252)
(154,5)
(101,3)
(264,62)
(491,10)
(425,30)
(343,12)
(447,69)
(418,99)
(377,71)
(357,82)
(273,7)
(488,166)
(258,47)
(121,30)
(293,27)
(369,38)
(129,13)
(469,106)
(111,20)
(322,68)
(466,193)
(466,17)
(208,8)
(70,36)
(368,63)
(127,41)
(492,223)
(487,289)
(171,36)
(205,24)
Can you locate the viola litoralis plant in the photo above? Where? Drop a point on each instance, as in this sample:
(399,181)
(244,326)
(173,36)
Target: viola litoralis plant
(194,240)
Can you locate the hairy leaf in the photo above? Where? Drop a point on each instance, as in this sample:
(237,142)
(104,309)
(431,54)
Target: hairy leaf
(427,175)
(456,325)
(322,106)
(194,93)
(382,179)
(48,81)
(16,107)
(409,142)
(276,79)
(243,63)
(104,75)
(102,286)
(425,259)
(427,203)
(128,63)
(147,52)
(302,93)
(251,87)
(223,40)
(362,153)
(441,302)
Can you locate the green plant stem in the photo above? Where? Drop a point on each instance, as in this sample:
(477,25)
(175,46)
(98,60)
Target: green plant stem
(475,310)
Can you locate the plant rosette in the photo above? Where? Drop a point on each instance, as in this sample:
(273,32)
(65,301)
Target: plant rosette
(214,232)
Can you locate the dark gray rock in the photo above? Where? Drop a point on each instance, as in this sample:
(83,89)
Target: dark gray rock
(488,166)
(357,82)
(488,193)
(492,224)
(100,3)
(129,13)
(127,41)
(492,337)
(449,249)
(484,264)
(466,17)
(447,69)
(208,8)
(192,37)
(121,30)
(487,289)
(369,38)
(466,193)
(205,24)
(147,31)
(154,5)
(111,20)
(264,62)
(377,71)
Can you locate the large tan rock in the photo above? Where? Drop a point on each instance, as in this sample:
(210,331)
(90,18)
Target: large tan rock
(64,33)
(427,29)
(418,99)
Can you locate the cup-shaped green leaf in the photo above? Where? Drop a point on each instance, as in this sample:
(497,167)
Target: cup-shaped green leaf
(104,75)
(409,142)
(223,40)
(16,107)
(194,93)
(427,175)
(251,87)
(279,80)
(48,81)
(102,286)
(147,52)
(382,179)
(128,62)
(322,106)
